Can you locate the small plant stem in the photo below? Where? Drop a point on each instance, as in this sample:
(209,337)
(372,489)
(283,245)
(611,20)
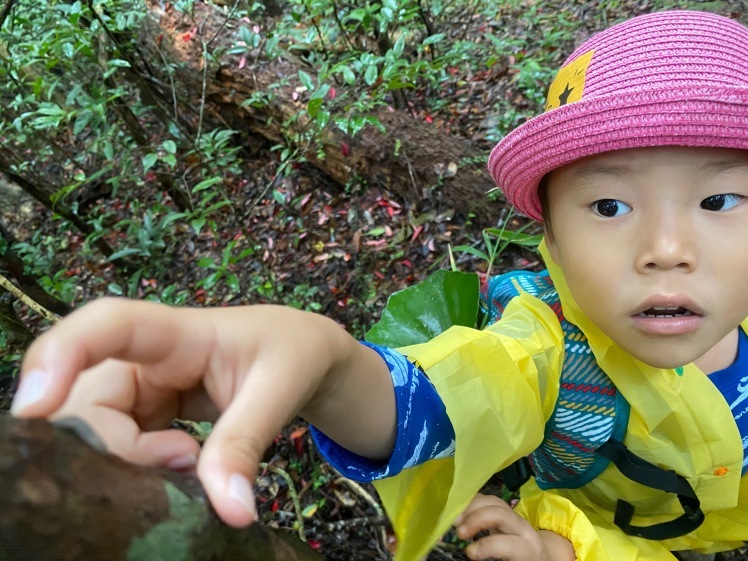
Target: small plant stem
(356,488)
(355,523)
(292,492)
(23,297)
(341,26)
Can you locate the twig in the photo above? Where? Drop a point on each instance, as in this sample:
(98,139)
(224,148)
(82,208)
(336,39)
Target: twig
(356,488)
(225,21)
(355,523)
(411,173)
(292,492)
(38,308)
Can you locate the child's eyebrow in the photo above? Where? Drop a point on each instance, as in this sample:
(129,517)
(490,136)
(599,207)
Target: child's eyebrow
(591,169)
(727,165)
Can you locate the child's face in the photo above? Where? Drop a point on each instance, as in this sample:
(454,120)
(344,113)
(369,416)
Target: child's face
(653,243)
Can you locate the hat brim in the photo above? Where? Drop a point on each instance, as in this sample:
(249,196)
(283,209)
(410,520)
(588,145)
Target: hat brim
(696,116)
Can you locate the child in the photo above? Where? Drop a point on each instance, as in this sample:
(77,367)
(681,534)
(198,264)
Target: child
(623,378)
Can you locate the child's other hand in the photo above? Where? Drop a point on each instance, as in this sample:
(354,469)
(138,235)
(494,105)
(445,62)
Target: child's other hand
(129,368)
(511,537)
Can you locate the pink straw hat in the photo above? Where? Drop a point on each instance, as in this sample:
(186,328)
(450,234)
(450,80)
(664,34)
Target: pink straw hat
(676,78)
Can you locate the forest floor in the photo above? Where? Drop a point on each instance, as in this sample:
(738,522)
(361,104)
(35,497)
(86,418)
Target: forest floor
(342,252)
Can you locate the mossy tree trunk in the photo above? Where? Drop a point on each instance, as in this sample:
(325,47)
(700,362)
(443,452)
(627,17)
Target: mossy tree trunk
(63,499)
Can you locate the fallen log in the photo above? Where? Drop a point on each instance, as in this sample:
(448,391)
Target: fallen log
(63,499)
(413,159)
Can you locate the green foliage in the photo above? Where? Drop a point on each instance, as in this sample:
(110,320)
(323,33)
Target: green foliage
(86,111)
(420,312)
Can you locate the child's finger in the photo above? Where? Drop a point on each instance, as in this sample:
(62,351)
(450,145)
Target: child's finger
(481,501)
(104,397)
(231,455)
(140,332)
(505,547)
(495,519)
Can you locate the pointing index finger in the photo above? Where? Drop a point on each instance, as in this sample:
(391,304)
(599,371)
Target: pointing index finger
(151,334)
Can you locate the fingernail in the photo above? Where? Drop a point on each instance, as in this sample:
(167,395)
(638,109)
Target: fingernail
(241,491)
(31,389)
(183,463)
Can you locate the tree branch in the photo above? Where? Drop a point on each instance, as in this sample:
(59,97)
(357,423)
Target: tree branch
(38,308)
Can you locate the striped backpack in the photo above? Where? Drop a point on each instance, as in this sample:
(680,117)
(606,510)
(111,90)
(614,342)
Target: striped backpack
(586,430)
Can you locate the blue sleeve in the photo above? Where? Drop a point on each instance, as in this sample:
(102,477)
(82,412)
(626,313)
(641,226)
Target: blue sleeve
(424,431)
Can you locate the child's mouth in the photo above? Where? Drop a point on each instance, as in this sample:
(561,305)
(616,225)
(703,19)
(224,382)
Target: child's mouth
(668,315)
(665,312)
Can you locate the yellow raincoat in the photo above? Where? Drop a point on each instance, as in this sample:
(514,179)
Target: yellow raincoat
(500,386)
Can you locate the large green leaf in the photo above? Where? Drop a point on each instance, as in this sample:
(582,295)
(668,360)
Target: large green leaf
(420,312)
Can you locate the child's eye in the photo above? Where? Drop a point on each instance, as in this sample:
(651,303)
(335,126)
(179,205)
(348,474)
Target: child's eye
(721,202)
(610,207)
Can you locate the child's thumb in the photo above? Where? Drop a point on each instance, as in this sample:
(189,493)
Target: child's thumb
(232,453)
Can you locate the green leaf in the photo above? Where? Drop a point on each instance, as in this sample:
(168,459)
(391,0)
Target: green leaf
(114,288)
(205,184)
(423,311)
(169,146)
(198,224)
(233,281)
(518,238)
(149,160)
(123,253)
(314,106)
(118,63)
(306,80)
(371,74)
(348,75)
(399,46)
(433,39)
(472,251)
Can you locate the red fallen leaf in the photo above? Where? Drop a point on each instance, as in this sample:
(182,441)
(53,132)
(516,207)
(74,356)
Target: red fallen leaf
(407,263)
(332,93)
(429,119)
(416,232)
(345,149)
(314,544)
(387,231)
(274,507)
(305,200)
(298,444)
(242,62)
(390,212)
(379,275)
(150,176)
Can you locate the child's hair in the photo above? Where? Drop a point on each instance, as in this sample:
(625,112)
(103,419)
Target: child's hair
(675,78)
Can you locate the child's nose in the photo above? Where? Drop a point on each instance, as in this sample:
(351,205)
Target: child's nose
(666,244)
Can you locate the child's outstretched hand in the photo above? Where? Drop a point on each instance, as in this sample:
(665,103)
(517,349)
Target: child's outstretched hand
(511,537)
(129,368)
